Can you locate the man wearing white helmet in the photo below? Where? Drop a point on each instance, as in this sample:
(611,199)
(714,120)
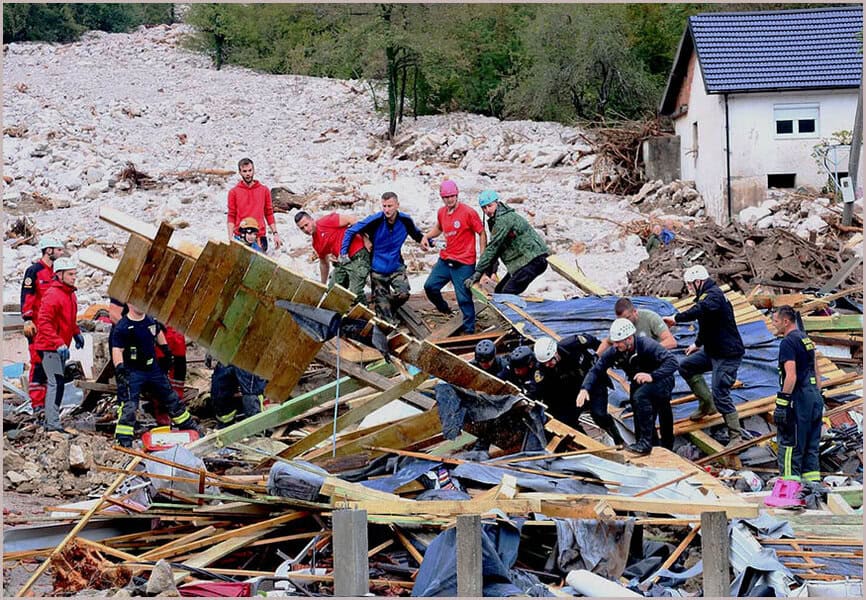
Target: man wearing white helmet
(561,369)
(650,369)
(717,348)
(56,327)
(37,279)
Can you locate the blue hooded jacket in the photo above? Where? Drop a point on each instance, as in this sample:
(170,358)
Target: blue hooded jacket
(387,239)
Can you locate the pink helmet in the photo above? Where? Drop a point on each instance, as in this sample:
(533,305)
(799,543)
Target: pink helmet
(448,188)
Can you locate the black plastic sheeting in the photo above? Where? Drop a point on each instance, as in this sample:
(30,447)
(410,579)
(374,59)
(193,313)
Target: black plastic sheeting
(594,315)
(499,545)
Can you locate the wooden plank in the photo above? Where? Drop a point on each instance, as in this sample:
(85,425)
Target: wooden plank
(98,261)
(561,429)
(222,549)
(354,416)
(834,323)
(152,263)
(174,293)
(469,567)
(731,505)
(161,282)
(211,288)
(187,300)
(453,369)
(338,299)
(715,550)
(243,258)
(240,311)
(574,274)
(351,568)
(310,292)
(838,505)
(144,229)
(127,270)
(398,435)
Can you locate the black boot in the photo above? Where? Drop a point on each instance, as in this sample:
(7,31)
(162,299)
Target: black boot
(641,447)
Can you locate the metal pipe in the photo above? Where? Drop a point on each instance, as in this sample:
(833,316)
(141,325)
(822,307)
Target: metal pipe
(728,160)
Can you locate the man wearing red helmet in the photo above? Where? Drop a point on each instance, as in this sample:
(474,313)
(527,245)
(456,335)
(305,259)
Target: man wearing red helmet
(460,224)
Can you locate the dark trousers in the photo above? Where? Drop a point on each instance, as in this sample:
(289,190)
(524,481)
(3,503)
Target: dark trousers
(799,438)
(520,280)
(650,401)
(155,381)
(455,272)
(724,376)
(390,292)
(225,382)
(569,413)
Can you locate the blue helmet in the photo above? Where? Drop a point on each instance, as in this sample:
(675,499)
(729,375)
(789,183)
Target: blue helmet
(487,197)
(485,351)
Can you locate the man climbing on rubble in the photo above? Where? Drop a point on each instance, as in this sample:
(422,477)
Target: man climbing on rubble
(650,369)
(562,367)
(799,404)
(717,348)
(514,242)
(56,328)
(520,369)
(460,224)
(327,235)
(225,382)
(249,198)
(133,353)
(387,230)
(37,279)
(486,359)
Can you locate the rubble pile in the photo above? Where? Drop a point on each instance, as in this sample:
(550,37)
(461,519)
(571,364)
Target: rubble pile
(738,255)
(677,197)
(809,215)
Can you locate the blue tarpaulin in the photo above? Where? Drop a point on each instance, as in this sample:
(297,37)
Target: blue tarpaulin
(758,372)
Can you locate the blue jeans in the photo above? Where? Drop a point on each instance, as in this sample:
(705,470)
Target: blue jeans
(455,272)
(724,376)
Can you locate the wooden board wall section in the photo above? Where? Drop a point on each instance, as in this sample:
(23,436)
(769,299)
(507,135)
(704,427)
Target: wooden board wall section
(152,263)
(211,287)
(184,309)
(243,259)
(128,268)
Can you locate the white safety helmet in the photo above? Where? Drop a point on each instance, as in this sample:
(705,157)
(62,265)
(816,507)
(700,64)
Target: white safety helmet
(695,273)
(545,349)
(49,242)
(65,263)
(621,329)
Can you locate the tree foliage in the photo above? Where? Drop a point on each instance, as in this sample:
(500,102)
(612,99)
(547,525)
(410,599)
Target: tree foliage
(65,22)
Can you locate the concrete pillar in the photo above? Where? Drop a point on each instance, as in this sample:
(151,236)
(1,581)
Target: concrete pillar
(716,548)
(469,567)
(351,568)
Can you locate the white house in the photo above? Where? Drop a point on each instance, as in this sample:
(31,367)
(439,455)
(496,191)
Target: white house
(752,93)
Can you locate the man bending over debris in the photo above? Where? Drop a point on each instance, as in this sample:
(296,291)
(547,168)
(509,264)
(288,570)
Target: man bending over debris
(56,327)
(37,279)
(717,348)
(562,367)
(486,359)
(387,229)
(224,383)
(650,369)
(136,368)
(512,240)
(328,233)
(799,405)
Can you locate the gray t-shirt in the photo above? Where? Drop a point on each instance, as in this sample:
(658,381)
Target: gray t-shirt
(650,324)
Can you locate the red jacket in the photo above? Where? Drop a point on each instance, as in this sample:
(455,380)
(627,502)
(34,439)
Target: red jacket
(37,279)
(56,322)
(250,201)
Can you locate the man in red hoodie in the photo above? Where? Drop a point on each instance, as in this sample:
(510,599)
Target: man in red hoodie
(56,327)
(37,279)
(249,198)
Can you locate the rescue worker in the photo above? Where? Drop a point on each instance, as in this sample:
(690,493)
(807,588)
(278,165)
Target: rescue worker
(248,233)
(249,198)
(225,382)
(327,236)
(486,359)
(37,279)
(520,369)
(717,348)
(561,369)
(799,404)
(133,353)
(514,242)
(459,224)
(387,230)
(56,328)
(650,368)
(646,322)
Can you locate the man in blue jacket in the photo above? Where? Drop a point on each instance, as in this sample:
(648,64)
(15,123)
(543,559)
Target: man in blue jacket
(387,230)
(717,348)
(650,369)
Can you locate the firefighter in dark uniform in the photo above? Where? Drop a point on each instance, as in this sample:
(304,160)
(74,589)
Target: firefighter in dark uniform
(486,359)
(225,382)
(561,370)
(520,369)
(136,367)
(799,404)
(650,368)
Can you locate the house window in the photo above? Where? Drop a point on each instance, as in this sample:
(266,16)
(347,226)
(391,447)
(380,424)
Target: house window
(782,180)
(796,120)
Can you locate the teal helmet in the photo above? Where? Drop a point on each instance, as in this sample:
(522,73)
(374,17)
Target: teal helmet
(487,197)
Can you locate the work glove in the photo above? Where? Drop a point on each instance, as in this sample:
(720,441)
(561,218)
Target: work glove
(121,374)
(470,281)
(783,409)
(29,330)
(79,341)
(63,352)
(166,360)
(343,259)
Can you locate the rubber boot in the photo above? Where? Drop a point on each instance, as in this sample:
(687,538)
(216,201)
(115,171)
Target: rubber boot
(732,420)
(705,397)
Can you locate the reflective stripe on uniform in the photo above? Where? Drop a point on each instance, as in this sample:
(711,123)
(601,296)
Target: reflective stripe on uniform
(812,476)
(184,416)
(227,418)
(782,402)
(786,453)
(123,430)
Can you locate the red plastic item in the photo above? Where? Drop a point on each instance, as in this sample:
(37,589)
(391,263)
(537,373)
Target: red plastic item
(217,589)
(163,438)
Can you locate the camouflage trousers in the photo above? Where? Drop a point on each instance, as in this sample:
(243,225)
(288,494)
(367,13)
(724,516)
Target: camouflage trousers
(390,292)
(353,275)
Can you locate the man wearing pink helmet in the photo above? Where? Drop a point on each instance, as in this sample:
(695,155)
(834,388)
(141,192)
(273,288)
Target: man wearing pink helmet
(460,224)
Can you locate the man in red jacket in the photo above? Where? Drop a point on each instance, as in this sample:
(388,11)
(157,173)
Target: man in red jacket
(37,279)
(56,327)
(249,198)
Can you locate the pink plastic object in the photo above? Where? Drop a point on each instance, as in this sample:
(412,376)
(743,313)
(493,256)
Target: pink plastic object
(448,188)
(784,494)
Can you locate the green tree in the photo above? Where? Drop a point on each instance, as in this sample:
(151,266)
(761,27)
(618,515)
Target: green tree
(66,22)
